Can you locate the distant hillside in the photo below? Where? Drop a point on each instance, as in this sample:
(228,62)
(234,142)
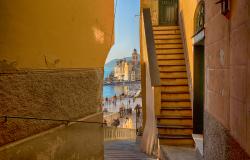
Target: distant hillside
(112,63)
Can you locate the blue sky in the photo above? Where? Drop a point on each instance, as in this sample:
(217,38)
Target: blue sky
(126,29)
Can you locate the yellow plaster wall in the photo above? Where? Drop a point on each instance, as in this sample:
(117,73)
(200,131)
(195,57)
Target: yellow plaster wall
(44,34)
(153,5)
(187,8)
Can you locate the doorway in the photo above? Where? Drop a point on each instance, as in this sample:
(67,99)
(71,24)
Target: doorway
(168,12)
(199,74)
(198,103)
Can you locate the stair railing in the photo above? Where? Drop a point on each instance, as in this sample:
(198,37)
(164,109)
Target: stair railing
(113,133)
(151,91)
(150,54)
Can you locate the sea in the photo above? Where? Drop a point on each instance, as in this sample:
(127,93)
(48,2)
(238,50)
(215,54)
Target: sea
(112,90)
(107,71)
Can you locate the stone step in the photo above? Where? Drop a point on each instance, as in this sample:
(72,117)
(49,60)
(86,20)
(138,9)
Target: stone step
(176,140)
(174,126)
(173,36)
(172,68)
(176,108)
(174,89)
(169,51)
(178,152)
(174,130)
(170,57)
(173,117)
(175,104)
(174,120)
(163,32)
(123,150)
(171,62)
(175,100)
(168,96)
(160,136)
(157,28)
(168,41)
(173,74)
(199,144)
(169,46)
(173,82)
(176,111)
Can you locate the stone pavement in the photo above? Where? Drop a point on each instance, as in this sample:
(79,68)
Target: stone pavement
(124,150)
(179,153)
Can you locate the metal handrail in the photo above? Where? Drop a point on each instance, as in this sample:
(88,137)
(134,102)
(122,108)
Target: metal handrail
(152,60)
(6,117)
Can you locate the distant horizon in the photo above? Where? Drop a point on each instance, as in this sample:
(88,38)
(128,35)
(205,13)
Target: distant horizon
(126,29)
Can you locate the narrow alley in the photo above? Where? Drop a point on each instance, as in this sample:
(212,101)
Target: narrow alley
(83,79)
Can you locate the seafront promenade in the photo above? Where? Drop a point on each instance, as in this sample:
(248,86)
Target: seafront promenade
(112,105)
(121,82)
(111,112)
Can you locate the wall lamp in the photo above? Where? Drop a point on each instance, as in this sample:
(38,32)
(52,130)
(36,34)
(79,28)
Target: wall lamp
(225,7)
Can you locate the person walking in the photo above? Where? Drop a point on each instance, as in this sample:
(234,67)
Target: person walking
(123,109)
(133,99)
(115,99)
(106,100)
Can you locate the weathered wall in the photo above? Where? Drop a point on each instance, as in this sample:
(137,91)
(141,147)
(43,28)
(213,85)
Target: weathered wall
(56,94)
(76,141)
(219,143)
(55,34)
(227,69)
(227,65)
(52,55)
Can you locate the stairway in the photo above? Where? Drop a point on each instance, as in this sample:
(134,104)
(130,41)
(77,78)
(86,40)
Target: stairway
(124,150)
(175,120)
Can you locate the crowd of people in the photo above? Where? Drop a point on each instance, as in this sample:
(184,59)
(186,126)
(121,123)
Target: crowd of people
(124,105)
(125,111)
(113,100)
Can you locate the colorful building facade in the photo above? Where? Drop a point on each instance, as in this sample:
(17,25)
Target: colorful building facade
(214,39)
(128,70)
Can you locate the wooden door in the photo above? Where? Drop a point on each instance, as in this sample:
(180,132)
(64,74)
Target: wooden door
(168,12)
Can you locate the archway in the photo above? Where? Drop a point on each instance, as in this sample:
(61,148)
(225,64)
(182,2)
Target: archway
(122,72)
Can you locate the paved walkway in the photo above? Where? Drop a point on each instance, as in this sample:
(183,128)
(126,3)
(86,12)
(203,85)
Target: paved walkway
(110,107)
(124,150)
(113,114)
